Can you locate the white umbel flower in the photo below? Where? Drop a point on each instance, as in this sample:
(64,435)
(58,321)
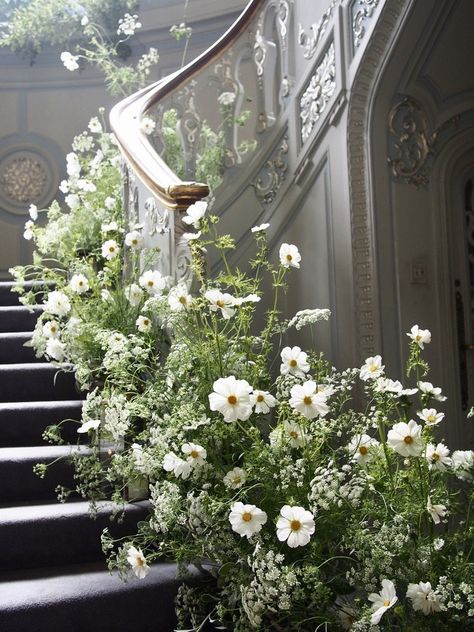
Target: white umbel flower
(438,456)
(110,249)
(437,512)
(69,61)
(195,213)
(361,448)
(422,337)
(221,301)
(289,256)
(137,561)
(79,284)
(372,369)
(246,519)
(179,467)
(55,349)
(91,424)
(431,416)
(73,201)
(306,399)
(295,526)
(143,324)
(57,303)
(235,478)
(382,601)
(51,329)
(260,229)
(134,294)
(196,454)
(179,298)
(424,598)
(134,240)
(405,438)
(231,397)
(152,281)
(294,361)
(262,401)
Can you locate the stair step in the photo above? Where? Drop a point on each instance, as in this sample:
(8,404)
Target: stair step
(35,381)
(43,535)
(7,297)
(12,349)
(21,484)
(18,318)
(87,598)
(22,423)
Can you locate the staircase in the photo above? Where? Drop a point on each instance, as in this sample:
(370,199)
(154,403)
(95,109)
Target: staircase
(52,569)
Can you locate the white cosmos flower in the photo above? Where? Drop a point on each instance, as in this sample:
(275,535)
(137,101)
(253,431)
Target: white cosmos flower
(438,456)
(295,525)
(263,401)
(94,125)
(250,298)
(386,385)
(55,349)
(33,212)
(57,303)
(246,519)
(179,467)
(431,416)
(79,283)
(28,233)
(294,361)
(92,424)
(422,337)
(424,598)
(437,512)
(73,201)
(235,478)
(73,166)
(372,369)
(143,324)
(147,125)
(179,298)
(191,236)
(134,239)
(382,601)
(433,391)
(196,454)
(289,256)
(137,561)
(231,397)
(463,462)
(226,98)
(110,249)
(295,433)
(110,227)
(405,438)
(361,448)
(195,213)
(152,281)
(259,229)
(69,61)
(134,294)
(222,301)
(51,329)
(307,401)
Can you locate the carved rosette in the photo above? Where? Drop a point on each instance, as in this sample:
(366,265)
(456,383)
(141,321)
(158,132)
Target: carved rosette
(362,12)
(24,178)
(320,89)
(309,42)
(273,174)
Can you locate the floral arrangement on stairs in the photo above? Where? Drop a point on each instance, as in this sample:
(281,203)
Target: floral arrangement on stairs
(303,512)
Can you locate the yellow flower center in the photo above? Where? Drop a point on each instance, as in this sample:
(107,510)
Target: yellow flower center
(111,249)
(289,258)
(307,400)
(373,368)
(140,561)
(363,450)
(408,439)
(260,398)
(194,454)
(220,303)
(232,399)
(435,456)
(418,338)
(182,299)
(386,603)
(237,480)
(431,419)
(247,516)
(150,283)
(293,363)
(295,525)
(294,434)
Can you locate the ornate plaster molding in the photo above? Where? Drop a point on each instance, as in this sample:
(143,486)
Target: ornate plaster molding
(309,42)
(362,13)
(273,174)
(319,90)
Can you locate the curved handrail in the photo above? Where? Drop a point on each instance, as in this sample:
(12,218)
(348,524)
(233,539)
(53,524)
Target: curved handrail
(125,120)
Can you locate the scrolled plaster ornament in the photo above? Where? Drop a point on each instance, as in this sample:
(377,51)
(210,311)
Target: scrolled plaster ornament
(319,90)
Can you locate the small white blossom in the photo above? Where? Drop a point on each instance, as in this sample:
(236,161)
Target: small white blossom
(134,294)
(179,467)
(79,284)
(405,438)
(195,213)
(110,203)
(437,512)
(422,337)
(134,239)
(222,301)
(295,433)
(382,601)
(196,454)
(152,281)
(294,362)
(86,185)
(424,598)
(179,298)
(55,349)
(147,125)
(431,416)
(361,448)
(110,249)
(307,401)
(263,401)
(143,324)
(33,212)
(51,329)
(295,525)
(463,462)
(69,61)
(137,561)
(73,201)
(372,369)
(437,456)
(246,519)
(235,478)
(308,317)
(110,227)
(433,391)
(28,233)
(259,229)
(91,424)
(73,166)
(57,303)
(94,125)
(289,256)
(231,397)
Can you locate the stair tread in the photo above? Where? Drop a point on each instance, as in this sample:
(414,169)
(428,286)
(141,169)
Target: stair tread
(41,452)
(49,404)
(63,511)
(15,334)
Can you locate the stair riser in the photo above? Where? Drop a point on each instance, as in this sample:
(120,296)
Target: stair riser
(13,351)
(7,297)
(14,319)
(25,426)
(36,383)
(59,539)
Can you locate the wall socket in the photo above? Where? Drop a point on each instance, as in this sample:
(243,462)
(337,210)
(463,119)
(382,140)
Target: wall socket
(418,273)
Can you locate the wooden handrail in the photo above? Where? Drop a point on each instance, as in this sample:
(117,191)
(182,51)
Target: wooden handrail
(125,120)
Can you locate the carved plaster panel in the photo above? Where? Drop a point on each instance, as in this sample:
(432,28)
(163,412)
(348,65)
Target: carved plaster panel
(362,12)
(309,42)
(157,221)
(273,174)
(319,90)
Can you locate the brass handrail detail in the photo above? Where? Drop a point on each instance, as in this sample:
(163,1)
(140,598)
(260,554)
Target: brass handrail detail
(125,120)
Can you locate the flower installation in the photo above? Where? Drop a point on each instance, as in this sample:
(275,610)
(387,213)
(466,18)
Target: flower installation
(302,509)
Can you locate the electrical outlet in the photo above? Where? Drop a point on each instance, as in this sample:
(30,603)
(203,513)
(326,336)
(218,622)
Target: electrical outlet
(418,273)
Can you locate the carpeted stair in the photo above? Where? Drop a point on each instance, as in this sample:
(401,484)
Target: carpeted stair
(52,570)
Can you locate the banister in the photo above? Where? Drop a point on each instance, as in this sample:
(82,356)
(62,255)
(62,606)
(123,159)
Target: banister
(125,120)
